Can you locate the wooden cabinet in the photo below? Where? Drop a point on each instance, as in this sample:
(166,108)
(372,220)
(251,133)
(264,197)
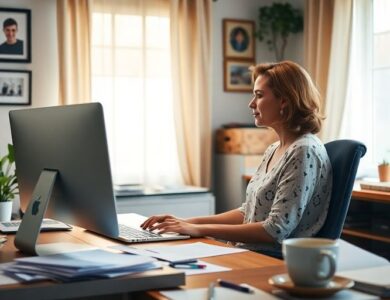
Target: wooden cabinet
(368,221)
(247,141)
(240,151)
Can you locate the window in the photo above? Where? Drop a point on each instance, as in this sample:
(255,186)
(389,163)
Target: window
(368,101)
(381,80)
(131,77)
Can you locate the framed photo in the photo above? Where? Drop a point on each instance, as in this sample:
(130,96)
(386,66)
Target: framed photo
(237,76)
(238,39)
(15,87)
(15,36)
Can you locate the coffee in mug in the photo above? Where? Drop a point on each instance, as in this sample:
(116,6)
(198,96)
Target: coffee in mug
(310,262)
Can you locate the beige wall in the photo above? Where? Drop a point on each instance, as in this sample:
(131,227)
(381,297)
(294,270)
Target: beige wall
(232,107)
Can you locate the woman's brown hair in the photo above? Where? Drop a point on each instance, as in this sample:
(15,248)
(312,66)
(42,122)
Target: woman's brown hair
(291,82)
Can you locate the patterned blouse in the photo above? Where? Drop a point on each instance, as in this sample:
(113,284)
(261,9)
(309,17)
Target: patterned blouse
(292,198)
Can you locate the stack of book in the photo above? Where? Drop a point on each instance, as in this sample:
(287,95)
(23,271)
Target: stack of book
(375,186)
(81,265)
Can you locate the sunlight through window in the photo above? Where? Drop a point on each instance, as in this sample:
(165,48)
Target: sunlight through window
(131,77)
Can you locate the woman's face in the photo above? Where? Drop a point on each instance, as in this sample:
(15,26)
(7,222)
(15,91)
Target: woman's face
(264,105)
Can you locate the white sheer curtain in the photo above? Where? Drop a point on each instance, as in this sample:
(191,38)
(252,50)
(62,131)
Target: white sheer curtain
(131,77)
(358,114)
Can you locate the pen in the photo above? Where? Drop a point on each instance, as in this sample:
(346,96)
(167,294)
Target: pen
(184,261)
(211,291)
(187,266)
(234,286)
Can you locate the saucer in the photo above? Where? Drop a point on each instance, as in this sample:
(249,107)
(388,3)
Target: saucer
(284,282)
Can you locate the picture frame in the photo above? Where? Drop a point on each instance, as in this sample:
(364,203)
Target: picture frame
(15,36)
(237,76)
(15,87)
(239,39)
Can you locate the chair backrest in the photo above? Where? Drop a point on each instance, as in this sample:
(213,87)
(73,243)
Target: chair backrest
(344,157)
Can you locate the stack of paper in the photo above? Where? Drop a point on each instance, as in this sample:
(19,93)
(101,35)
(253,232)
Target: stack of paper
(220,293)
(181,253)
(370,272)
(180,258)
(81,265)
(374,280)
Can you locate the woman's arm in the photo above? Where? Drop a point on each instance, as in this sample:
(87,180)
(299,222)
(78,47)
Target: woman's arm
(233,216)
(247,233)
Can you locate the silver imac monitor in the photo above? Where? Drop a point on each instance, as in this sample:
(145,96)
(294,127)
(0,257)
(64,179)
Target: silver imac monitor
(61,155)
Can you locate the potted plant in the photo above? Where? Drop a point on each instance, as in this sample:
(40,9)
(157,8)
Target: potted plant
(276,23)
(384,171)
(8,184)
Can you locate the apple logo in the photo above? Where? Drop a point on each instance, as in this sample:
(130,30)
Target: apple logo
(35,206)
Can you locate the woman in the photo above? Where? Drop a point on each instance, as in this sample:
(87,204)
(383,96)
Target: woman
(290,192)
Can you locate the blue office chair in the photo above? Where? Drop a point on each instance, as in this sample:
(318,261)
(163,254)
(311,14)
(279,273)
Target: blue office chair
(344,156)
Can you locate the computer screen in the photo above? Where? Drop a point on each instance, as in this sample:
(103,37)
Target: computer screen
(71,140)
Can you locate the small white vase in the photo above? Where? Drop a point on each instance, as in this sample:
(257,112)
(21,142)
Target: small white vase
(5,211)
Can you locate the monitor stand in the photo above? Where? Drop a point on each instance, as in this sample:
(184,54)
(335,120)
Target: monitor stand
(29,229)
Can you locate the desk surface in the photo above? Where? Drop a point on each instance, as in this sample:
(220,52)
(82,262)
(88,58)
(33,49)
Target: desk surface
(161,278)
(246,266)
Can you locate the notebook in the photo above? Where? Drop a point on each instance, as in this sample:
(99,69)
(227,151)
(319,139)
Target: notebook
(47,225)
(370,272)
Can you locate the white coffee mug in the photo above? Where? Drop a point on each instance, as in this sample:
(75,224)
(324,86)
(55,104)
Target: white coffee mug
(310,262)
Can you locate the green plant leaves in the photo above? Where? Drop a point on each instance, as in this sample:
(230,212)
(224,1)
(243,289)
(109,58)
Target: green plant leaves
(276,23)
(8,179)
(11,154)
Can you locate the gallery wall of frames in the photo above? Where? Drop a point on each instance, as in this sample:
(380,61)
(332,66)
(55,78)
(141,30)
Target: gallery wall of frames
(15,47)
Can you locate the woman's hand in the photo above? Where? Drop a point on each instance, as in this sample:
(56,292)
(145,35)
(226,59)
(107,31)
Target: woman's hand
(148,224)
(179,226)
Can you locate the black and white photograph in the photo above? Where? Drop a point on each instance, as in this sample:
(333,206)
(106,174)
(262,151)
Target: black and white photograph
(15,87)
(15,36)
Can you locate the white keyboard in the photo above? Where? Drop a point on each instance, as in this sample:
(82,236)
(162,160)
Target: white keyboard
(47,225)
(137,235)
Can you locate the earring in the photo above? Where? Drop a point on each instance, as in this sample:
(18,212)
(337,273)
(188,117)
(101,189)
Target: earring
(281,112)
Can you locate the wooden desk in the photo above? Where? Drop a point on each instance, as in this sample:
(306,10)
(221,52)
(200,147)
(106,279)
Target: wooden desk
(248,266)
(161,278)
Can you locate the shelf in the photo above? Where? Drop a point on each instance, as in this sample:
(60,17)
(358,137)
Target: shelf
(370,195)
(366,234)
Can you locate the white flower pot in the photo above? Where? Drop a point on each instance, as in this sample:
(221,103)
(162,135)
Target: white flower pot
(5,211)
